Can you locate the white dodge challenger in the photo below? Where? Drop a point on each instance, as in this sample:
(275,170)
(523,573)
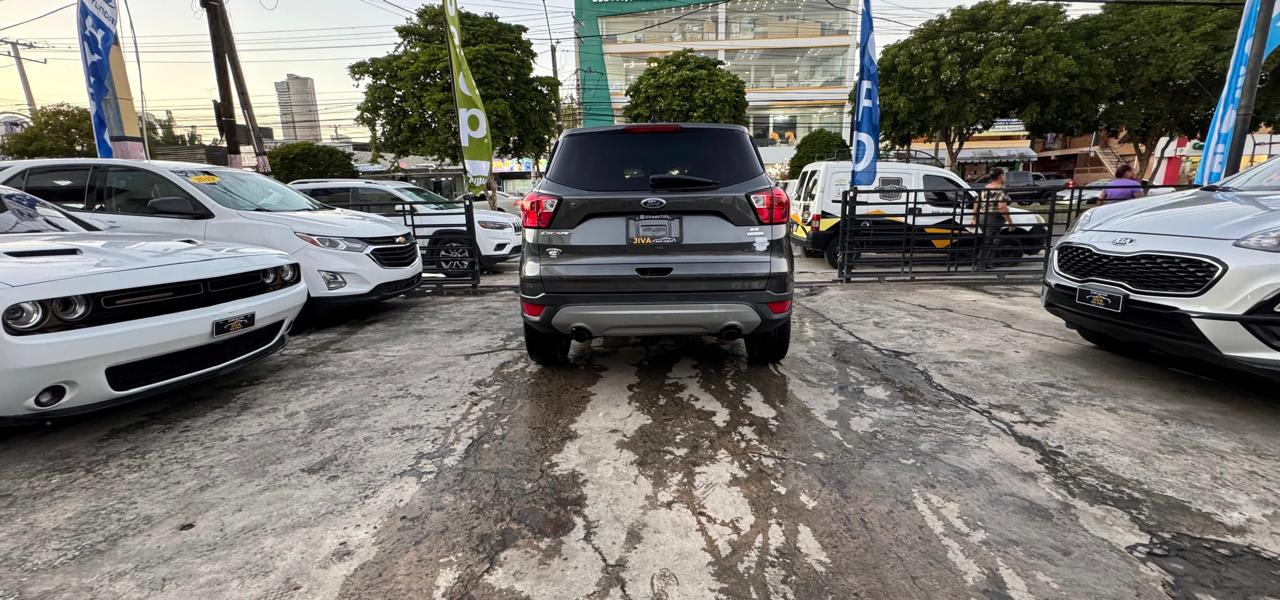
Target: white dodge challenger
(89,319)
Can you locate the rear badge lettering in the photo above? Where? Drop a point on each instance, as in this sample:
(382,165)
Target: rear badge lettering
(755,231)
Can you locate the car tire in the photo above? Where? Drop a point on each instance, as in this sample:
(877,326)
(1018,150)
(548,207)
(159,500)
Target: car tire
(771,346)
(546,349)
(450,255)
(832,253)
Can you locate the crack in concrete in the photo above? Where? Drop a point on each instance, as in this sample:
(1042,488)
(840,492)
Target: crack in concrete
(1256,573)
(1004,324)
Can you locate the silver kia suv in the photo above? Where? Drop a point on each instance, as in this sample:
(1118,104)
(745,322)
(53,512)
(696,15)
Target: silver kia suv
(656,229)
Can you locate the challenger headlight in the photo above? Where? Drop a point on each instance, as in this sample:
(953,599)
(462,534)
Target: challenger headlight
(289,273)
(1081,222)
(71,308)
(495,225)
(334,243)
(25,316)
(1267,241)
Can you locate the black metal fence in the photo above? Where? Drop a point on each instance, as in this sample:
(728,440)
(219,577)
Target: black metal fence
(446,236)
(898,233)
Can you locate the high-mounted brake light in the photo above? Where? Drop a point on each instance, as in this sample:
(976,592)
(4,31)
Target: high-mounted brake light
(773,207)
(537,209)
(653,128)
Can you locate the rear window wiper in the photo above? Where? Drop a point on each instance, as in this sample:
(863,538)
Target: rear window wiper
(681,181)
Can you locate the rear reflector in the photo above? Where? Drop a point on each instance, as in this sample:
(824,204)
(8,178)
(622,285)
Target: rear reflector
(780,307)
(534,310)
(653,128)
(537,209)
(773,207)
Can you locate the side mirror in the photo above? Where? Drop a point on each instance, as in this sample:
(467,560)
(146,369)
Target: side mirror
(174,206)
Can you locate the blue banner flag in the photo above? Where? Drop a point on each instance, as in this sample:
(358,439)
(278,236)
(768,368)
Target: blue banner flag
(1273,38)
(1213,164)
(97,24)
(866,138)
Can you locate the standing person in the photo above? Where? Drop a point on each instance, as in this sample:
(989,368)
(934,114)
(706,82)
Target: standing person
(1124,187)
(991,217)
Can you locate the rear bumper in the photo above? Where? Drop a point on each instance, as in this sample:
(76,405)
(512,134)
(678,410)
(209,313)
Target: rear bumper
(816,240)
(607,315)
(514,251)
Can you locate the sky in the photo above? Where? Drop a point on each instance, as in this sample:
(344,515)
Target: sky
(312,38)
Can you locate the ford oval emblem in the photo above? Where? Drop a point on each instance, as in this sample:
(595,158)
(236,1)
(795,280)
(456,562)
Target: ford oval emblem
(1124,241)
(653,203)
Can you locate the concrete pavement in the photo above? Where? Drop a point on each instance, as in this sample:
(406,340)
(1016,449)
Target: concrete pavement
(921,441)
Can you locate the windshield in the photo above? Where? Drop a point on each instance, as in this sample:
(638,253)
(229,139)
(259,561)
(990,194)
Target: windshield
(616,160)
(1265,176)
(24,213)
(431,199)
(241,190)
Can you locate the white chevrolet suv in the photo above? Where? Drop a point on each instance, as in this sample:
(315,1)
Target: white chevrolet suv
(346,256)
(1194,273)
(438,223)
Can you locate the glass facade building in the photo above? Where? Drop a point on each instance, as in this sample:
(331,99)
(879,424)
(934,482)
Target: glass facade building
(796,57)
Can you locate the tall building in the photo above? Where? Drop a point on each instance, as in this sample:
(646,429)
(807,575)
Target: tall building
(796,57)
(299,115)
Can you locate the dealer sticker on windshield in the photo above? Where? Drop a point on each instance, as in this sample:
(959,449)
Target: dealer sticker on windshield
(1100,299)
(203,179)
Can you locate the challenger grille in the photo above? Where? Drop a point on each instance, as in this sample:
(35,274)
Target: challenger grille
(1148,273)
(158,369)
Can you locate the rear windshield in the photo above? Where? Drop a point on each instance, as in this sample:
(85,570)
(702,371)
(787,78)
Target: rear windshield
(614,160)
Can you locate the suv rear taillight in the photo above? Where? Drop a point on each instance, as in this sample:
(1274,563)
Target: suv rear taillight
(815,222)
(773,207)
(537,210)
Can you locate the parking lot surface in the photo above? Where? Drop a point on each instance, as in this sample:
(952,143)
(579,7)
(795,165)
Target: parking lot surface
(921,441)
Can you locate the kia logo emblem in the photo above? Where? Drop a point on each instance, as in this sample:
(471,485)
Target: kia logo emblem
(653,203)
(1124,241)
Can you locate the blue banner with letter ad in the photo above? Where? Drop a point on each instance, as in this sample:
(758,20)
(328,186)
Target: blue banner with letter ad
(1273,35)
(97,25)
(1213,164)
(866,110)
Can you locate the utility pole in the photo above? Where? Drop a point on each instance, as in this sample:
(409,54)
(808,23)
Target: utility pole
(1252,74)
(555,69)
(16,53)
(227,71)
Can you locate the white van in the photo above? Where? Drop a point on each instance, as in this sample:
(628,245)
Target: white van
(345,256)
(947,204)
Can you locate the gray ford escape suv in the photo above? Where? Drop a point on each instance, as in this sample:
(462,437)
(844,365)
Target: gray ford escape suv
(656,229)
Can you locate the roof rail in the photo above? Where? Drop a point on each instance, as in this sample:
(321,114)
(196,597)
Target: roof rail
(333,180)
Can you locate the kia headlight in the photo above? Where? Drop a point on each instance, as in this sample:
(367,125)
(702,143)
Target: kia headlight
(495,225)
(1081,222)
(1267,241)
(334,243)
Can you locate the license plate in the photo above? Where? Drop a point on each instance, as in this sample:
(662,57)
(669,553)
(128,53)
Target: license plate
(653,231)
(1100,299)
(232,325)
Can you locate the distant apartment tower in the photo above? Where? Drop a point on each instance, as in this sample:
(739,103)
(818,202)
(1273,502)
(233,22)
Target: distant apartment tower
(299,115)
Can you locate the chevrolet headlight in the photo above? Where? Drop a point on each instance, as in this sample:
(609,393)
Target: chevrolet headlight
(1267,241)
(334,243)
(1081,222)
(495,225)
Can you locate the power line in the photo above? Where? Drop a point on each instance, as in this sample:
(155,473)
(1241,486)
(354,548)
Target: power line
(60,8)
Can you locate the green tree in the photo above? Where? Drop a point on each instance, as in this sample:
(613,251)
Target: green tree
(819,144)
(308,160)
(163,132)
(687,87)
(56,131)
(957,73)
(1166,67)
(408,102)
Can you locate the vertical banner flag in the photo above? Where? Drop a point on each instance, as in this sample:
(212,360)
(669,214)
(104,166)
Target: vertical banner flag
(866,138)
(97,24)
(473,123)
(1217,143)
